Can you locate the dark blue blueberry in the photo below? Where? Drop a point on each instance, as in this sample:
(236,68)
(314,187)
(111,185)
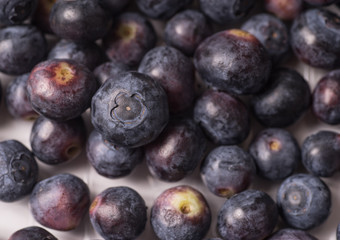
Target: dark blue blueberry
(60,202)
(283,101)
(32,233)
(114,6)
(186,30)
(118,213)
(18,171)
(111,161)
(249,215)
(276,153)
(233,60)
(21,48)
(180,212)
(227,170)
(284,9)
(304,201)
(224,118)
(175,72)
(109,69)
(321,153)
(177,151)
(272,33)
(326,98)
(16,11)
(17,102)
(315,38)
(291,234)
(130,110)
(161,9)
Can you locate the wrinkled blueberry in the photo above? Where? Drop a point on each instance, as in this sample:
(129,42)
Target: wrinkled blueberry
(32,233)
(41,16)
(284,9)
(16,11)
(109,69)
(291,234)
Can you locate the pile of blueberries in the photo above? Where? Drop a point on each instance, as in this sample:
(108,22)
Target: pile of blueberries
(178,102)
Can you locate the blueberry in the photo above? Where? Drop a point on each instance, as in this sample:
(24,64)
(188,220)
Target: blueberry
(233,60)
(291,234)
(180,212)
(177,151)
(130,110)
(227,170)
(321,153)
(60,202)
(283,101)
(41,16)
(22,47)
(175,72)
(18,171)
(186,30)
(251,214)
(276,153)
(224,118)
(109,160)
(109,69)
(304,201)
(16,11)
(118,213)
(284,9)
(32,233)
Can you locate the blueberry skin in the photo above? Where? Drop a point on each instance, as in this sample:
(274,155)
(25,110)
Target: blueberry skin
(111,161)
(161,9)
(130,37)
(321,153)
(177,151)
(224,11)
(283,101)
(315,38)
(276,153)
(16,11)
(130,110)
(304,201)
(60,202)
(175,72)
(291,234)
(22,47)
(224,118)
(234,61)
(285,10)
(227,170)
(186,30)
(17,101)
(118,213)
(271,32)
(249,215)
(74,21)
(109,69)
(326,98)
(114,6)
(32,233)
(88,54)
(18,171)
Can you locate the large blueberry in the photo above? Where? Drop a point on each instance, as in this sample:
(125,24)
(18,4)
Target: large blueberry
(32,233)
(291,234)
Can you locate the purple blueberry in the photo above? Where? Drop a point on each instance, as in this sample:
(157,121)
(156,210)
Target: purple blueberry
(16,11)
(32,233)
(291,234)
(284,9)
(109,69)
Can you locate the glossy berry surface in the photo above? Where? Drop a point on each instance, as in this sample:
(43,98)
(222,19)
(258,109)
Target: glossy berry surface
(16,11)
(109,69)
(17,102)
(22,47)
(227,170)
(175,72)
(18,171)
(251,214)
(74,21)
(284,9)
(61,89)
(271,32)
(32,233)
(130,110)
(41,16)
(283,101)
(321,153)
(315,38)
(326,98)
(224,118)
(118,213)
(180,212)
(57,142)
(304,201)
(276,153)
(224,11)
(130,37)
(60,202)
(177,151)
(291,234)
(233,60)
(109,160)
(186,30)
